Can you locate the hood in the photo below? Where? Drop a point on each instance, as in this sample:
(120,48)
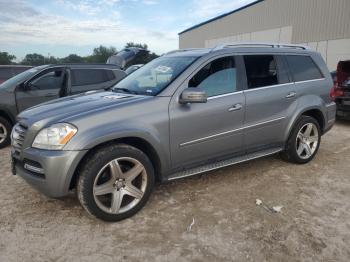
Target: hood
(65,109)
(125,56)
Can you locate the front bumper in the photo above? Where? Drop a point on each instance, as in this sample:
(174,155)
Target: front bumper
(50,172)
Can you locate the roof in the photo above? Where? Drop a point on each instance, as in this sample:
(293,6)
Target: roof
(221,16)
(82,65)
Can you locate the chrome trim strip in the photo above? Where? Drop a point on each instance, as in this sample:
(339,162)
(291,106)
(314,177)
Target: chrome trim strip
(312,80)
(34,169)
(230,131)
(230,164)
(267,87)
(224,95)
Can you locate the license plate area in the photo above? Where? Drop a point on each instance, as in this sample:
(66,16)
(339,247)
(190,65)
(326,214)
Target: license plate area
(346,102)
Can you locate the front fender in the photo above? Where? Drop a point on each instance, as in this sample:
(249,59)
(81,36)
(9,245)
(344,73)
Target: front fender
(91,138)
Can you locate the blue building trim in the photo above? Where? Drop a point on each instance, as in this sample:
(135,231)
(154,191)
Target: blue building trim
(221,16)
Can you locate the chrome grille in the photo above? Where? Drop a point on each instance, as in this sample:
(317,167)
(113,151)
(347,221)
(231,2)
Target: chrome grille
(18,136)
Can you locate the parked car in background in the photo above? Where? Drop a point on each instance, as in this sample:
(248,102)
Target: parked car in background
(132,69)
(8,71)
(125,56)
(43,83)
(341,89)
(187,112)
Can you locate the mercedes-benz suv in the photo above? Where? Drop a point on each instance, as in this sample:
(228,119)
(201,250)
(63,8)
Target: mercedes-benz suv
(185,113)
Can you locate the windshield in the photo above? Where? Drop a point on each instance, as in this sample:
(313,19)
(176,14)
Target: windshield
(153,77)
(14,81)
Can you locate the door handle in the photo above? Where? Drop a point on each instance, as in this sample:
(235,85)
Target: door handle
(235,107)
(291,94)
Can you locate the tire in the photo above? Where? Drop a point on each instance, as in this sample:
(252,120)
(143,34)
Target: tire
(100,195)
(5,132)
(295,142)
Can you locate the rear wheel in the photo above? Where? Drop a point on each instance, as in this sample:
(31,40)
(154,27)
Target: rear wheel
(115,182)
(5,132)
(304,141)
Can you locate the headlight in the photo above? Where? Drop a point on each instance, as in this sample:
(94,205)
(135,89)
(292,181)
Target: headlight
(54,137)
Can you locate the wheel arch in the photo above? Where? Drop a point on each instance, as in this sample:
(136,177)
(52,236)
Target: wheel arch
(137,142)
(7,116)
(315,112)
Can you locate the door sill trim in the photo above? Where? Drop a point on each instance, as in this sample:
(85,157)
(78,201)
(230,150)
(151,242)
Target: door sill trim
(224,163)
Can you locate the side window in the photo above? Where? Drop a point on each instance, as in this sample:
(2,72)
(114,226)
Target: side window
(49,80)
(217,78)
(303,68)
(261,70)
(82,77)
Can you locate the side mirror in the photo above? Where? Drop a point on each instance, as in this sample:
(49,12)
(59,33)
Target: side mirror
(193,95)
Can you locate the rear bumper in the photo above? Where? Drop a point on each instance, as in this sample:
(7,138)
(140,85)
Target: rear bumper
(331,114)
(50,172)
(343,110)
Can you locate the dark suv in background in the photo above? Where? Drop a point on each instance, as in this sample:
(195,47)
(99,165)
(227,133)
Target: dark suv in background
(8,71)
(43,83)
(341,89)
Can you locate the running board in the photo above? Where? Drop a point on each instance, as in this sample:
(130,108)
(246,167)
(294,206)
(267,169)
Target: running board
(224,163)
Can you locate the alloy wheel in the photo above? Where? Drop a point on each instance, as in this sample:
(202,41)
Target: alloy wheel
(120,185)
(307,141)
(3,133)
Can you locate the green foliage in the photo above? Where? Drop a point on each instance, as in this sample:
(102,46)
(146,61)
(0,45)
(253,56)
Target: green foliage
(71,59)
(6,58)
(101,54)
(33,59)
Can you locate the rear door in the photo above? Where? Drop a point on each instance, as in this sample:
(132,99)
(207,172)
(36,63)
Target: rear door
(41,88)
(83,80)
(205,132)
(269,100)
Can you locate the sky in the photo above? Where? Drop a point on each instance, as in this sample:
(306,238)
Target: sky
(63,27)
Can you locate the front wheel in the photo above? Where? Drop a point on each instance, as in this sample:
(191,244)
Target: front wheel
(5,132)
(115,182)
(304,141)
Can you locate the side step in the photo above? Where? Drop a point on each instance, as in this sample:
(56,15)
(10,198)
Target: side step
(223,163)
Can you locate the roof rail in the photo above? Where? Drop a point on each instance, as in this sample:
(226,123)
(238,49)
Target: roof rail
(259,44)
(182,50)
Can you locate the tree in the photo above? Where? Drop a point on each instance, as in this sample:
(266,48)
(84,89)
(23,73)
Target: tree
(6,58)
(34,59)
(72,58)
(101,54)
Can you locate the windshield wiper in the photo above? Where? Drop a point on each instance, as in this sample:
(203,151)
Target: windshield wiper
(125,90)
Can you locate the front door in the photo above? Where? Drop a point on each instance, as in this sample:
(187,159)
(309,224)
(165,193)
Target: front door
(212,130)
(42,88)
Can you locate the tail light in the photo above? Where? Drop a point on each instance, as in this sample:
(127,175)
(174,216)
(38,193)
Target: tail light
(336,92)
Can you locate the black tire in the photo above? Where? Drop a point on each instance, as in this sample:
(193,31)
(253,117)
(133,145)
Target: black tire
(290,153)
(90,169)
(4,123)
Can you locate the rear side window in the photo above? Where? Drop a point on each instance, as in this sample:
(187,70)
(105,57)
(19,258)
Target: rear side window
(91,76)
(303,68)
(261,70)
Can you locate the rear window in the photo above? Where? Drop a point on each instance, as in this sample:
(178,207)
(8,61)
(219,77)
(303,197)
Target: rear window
(303,68)
(91,76)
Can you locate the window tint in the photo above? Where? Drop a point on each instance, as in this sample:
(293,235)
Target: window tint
(261,70)
(50,80)
(91,76)
(217,78)
(5,73)
(303,68)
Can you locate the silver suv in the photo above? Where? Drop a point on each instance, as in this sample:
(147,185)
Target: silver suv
(185,113)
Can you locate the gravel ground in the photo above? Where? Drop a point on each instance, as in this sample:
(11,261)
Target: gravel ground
(314,224)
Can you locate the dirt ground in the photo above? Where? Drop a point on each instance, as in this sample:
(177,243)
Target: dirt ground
(227,225)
